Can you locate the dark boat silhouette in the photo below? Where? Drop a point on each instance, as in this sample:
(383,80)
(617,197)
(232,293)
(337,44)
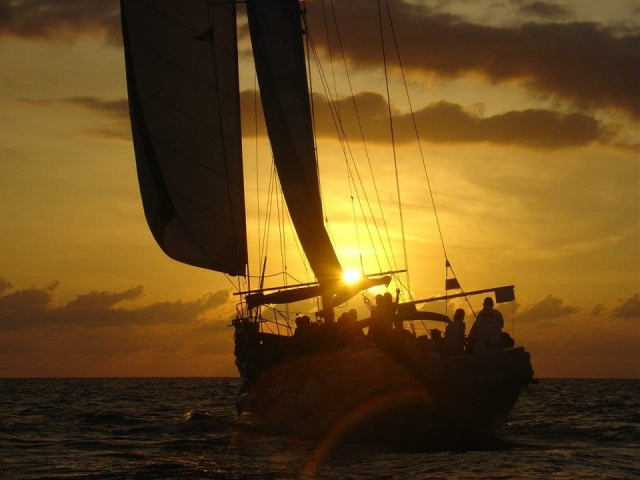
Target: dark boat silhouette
(183,84)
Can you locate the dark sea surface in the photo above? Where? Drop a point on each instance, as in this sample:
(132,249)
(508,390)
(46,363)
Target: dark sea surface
(186,428)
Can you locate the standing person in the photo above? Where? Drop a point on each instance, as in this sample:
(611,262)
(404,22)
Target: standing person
(454,334)
(381,318)
(485,333)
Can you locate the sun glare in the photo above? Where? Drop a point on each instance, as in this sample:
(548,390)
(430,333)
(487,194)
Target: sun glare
(351,276)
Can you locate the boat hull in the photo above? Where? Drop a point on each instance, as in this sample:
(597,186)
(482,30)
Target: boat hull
(363,391)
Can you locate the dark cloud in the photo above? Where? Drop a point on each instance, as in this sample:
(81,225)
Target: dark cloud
(4,285)
(445,122)
(117,111)
(61,20)
(630,308)
(545,10)
(29,301)
(585,63)
(439,123)
(34,307)
(550,308)
(104,300)
(627,309)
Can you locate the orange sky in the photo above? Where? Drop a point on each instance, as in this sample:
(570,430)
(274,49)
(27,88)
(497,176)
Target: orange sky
(528,115)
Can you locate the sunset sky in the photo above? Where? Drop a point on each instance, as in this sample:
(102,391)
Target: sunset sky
(528,114)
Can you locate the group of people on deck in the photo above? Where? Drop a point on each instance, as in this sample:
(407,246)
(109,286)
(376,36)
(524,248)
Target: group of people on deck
(311,336)
(387,331)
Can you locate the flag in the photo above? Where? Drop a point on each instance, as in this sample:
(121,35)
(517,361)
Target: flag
(451,284)
(505,294)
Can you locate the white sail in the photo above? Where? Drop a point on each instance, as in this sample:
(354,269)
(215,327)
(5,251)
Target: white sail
(182,76)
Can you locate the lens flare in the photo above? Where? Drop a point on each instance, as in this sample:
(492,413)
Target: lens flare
(351,276)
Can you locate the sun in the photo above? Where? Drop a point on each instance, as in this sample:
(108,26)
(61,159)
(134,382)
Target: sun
(351,276)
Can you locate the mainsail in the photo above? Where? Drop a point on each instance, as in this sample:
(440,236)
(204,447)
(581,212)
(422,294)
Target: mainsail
(182,77)
(276,38)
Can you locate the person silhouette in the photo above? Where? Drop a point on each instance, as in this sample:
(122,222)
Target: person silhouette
(486,332)
(454,334)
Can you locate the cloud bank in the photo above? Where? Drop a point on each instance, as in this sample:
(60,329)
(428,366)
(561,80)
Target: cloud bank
(61,20)
(437,123)
(187,338)
(581,63)
(548,309)
(449,123)
(33,307)
(585,64)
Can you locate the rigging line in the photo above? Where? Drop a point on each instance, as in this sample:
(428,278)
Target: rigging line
(337,108)
(309,48)
(271,275)
(257,157)
(366,150)
(305,32)
(343,141)
(297,280)
(237,287)
(355,221)
(329,50)
(353,188)
(283,247)
(352,183)
(415,127)
(392,263)
(268,210)
(333,110)
(277,313)
(301,254)
(393,145)
(263,240)
(305,263)
(466,298)
(281,236)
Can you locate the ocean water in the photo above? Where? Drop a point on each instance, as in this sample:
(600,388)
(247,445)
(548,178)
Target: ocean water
(186,428)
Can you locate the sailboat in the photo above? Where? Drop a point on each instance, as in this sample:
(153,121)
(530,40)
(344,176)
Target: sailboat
(181,59)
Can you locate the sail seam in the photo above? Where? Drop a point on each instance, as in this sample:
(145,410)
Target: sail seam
(191,117)
(189,159)
(142,44)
